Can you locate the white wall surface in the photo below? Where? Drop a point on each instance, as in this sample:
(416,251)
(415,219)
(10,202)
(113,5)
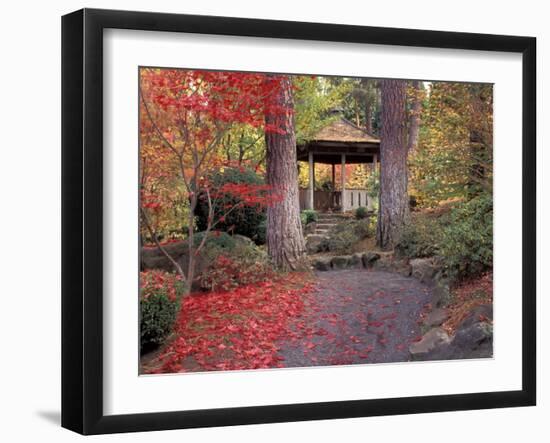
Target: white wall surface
(30,219)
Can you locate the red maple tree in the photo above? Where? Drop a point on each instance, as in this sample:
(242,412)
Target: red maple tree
(184,115)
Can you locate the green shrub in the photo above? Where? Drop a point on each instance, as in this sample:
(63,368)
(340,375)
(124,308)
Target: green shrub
(462,237)
(342,237)
(421,236)
(261,236)
(361,212)
(467,240)
(245,264)
(308,216)
(160,294)
(245,220)
(216,239)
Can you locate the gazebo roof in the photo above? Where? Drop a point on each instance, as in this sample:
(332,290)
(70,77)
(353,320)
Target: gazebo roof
(342,130)
(340,137)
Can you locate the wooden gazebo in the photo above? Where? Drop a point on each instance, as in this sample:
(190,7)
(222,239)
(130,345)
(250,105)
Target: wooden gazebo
(340,142)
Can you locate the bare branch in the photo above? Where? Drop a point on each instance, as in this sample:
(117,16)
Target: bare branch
(159,246)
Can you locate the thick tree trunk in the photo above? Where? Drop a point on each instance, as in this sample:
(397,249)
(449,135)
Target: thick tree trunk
(285,242)
(393,208)
(414,121)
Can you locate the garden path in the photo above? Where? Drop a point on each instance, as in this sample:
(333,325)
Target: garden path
(358,316)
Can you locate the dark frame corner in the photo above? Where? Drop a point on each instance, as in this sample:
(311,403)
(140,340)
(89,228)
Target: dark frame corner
(82,182)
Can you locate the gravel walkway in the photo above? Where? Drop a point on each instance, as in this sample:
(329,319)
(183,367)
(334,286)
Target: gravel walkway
(357,316)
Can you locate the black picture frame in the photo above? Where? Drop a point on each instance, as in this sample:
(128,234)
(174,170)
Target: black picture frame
(82,218)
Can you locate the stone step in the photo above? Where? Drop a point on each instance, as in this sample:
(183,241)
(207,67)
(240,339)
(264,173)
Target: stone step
(330,216)
(325,225)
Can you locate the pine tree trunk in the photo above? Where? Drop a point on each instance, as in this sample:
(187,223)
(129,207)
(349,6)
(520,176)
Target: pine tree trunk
(285,242)
(414,123)
(393,208)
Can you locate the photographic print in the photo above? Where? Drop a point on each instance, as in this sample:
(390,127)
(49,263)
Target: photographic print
(302,220)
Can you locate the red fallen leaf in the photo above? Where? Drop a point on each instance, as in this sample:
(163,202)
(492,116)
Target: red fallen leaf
(400,347)
(251,317)
(376,323)
(417,338)
(383,341)
(310,345)
(363,355)
(355,339)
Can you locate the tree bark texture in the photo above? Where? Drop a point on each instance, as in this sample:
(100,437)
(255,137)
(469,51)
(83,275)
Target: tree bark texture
(414,121)
(285,242)
(393,208)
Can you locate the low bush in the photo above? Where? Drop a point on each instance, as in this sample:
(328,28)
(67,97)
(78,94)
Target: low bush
(361,212)
(467,241)
(261,233)
(244,265)
(421,237)
(308,216)
(216,240)
(160,294)
(461,236)
(342,237)
(245,220)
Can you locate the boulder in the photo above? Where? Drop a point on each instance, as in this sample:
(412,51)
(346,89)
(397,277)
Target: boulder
(441,293)
(340,262)
(355,261)
(322,264)
(430,341)
(477,314)
(369,258)
(384,262)
(423,269)
(436,317)
(402,267)
(388,262)
(153,258)
(473,334)
(314,243)
(473,341)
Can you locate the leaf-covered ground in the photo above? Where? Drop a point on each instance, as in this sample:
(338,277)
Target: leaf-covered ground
(358,316)
(331,318)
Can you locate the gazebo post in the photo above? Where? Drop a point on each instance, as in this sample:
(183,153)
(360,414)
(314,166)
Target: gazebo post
(343,177)
(311,180)
(339,142)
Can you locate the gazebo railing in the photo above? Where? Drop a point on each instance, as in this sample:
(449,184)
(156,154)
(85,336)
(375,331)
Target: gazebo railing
(332,200)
